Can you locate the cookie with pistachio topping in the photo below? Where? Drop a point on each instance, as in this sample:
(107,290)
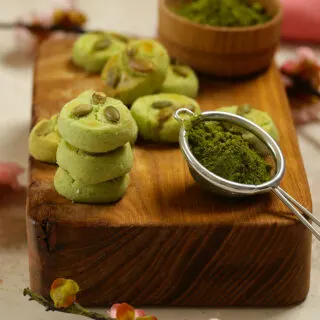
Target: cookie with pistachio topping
(105,192)
(181,79)
(95,123)
(95,168)
(44,139)
(259,117)
(154,115)
(139,70)
(92,50)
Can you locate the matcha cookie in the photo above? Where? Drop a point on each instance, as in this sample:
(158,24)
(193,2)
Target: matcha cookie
(154,115)
(104,192)
(92,50)
(44,139)
(95,123)
(95,168)
(139,70)
(259,117)
(181,79)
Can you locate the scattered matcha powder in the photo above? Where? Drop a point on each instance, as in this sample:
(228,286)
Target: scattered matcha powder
(225,153)
(224,13)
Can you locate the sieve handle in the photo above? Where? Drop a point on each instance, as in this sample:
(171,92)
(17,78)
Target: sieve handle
(294,205)
(182,111)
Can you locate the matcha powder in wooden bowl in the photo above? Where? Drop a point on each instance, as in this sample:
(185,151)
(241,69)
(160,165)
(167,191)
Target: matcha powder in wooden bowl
(224,13)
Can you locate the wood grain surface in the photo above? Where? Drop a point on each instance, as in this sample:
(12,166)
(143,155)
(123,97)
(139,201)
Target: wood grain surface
(168,242)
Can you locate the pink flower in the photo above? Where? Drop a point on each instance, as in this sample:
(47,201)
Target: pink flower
(9,173)
(115,307)
(305,66)
(305,107)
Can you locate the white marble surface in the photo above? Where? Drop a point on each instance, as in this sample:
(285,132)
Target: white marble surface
(131,16)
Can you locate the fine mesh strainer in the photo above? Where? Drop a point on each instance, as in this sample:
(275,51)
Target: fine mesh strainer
(266,147)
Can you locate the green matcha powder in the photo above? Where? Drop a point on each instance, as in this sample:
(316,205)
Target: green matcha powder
(225,153)
(224,13)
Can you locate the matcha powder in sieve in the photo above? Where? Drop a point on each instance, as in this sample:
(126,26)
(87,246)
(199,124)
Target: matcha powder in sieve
(225,153)
(224,13)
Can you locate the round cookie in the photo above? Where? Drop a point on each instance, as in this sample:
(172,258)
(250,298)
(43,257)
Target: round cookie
(181,79)
(259,117)
(92,50)
(104,192)
(95,123)
(44,139)
(154,115)
(91,168)
(139,70)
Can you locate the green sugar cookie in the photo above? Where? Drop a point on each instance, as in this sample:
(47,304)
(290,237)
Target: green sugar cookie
(92,50)
(154,115)
(44,139)
(91,168)
(139,70)
(104,192)
(181,79)
(95,123)
(259,117)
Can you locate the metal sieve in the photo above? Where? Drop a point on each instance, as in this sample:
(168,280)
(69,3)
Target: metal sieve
(263,143)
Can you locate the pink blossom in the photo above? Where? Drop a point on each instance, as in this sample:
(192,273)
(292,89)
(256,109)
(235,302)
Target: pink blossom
(114,308)
(9,173)
(289,66)
(306,59)
(305,107)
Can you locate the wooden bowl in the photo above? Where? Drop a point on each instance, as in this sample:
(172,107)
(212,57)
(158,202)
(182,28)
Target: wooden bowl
(222,51)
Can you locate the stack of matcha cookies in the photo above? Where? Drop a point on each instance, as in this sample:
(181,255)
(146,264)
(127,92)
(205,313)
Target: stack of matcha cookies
(94,155)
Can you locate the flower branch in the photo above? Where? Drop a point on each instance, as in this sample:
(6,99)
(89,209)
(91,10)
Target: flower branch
(75,308)
(63,299)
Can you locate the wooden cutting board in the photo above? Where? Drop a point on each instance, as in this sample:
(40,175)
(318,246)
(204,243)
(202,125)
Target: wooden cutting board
(168,242)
